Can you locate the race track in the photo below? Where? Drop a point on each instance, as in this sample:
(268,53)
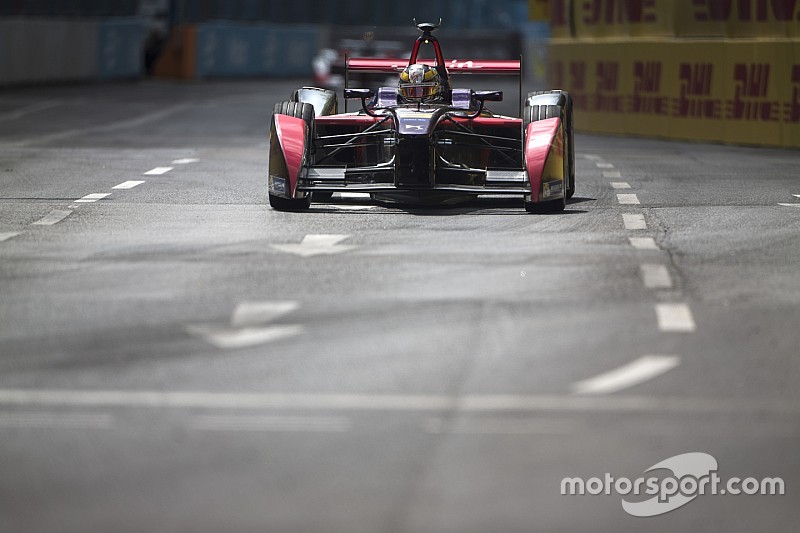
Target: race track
(176,356)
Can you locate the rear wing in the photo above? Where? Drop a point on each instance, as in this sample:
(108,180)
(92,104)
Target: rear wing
(512,67)
(454,66)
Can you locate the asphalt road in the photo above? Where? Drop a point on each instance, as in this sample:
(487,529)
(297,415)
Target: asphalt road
(176,356)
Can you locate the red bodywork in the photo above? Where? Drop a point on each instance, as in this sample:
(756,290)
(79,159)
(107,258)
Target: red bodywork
(292,134)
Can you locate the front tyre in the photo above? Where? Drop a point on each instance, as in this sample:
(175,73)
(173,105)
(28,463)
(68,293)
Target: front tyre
(277,166)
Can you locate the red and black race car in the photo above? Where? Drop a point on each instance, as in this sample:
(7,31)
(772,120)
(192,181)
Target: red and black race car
(422,140)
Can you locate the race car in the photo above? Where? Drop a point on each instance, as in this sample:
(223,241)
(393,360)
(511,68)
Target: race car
(422,141)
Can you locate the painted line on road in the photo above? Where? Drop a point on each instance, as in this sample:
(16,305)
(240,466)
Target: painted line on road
(789,205)
(316,244)
(233,338)
(655,276)
(593,157)
(276,423)
(628,199)
(675,317)
(634,373)
(128,184)
(249,314)
(33,108)
(620,185)
(53,217)
(355,195)
(55,420)
(185,161)
(349,207)
(499,426)
(157,171)
(643,243)
(604,165)
(491,403)
(633,221)
(9,235)
(612,174)
(90,198)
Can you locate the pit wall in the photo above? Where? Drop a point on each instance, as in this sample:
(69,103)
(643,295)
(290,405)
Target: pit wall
(710,70)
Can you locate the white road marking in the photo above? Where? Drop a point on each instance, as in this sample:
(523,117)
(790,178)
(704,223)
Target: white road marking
(185,161)
(620,185)
(272,423)
(9,235)
(53,217)
(628,199)
(604,165)
(675,317)
(55,420)
(33,108)
(128,184)
(643,369)
(259,313)
(231,338)
(796,195)
(612,174)
(249,326)
(643,243)
(157,171)
(487,403)
(789,205)
(632,221)
(358,195)
(89,198)
(499,426)
(594,157)
(655,276)
(316,245)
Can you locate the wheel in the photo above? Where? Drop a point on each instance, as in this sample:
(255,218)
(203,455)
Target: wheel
(563,100)
(303,111)
(534,113)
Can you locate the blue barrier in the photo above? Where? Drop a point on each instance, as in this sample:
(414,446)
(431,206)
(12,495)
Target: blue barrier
(229,49)
(120,48)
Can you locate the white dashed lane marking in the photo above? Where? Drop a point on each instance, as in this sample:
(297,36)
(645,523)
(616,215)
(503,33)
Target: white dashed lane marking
(675,317)
(643,369)
(655,276)
(604,165)
(89,198)
(271,423)
(185,161)
(632,221)
(53,217)
(316,244)
(128,184)
(48,420)
(612,174)
(628,199)
(620,185)
(157,171)
(643,243)
(9,235)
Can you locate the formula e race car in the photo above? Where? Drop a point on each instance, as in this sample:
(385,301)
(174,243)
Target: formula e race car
(422,141)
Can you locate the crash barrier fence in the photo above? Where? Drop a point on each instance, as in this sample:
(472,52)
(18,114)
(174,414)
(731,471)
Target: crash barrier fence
(34,50)
(712,70)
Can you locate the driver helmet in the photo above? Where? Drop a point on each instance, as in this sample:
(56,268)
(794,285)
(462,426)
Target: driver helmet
(420,83)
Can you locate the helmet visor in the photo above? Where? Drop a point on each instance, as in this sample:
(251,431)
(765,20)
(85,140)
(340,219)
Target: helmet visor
(418,90)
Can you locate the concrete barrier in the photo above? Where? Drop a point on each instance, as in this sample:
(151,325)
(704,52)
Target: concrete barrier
(43,50)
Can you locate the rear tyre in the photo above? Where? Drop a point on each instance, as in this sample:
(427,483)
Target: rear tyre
(305,112)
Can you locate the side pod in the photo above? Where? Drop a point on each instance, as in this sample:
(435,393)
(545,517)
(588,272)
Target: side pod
(544,159)
(287,150)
